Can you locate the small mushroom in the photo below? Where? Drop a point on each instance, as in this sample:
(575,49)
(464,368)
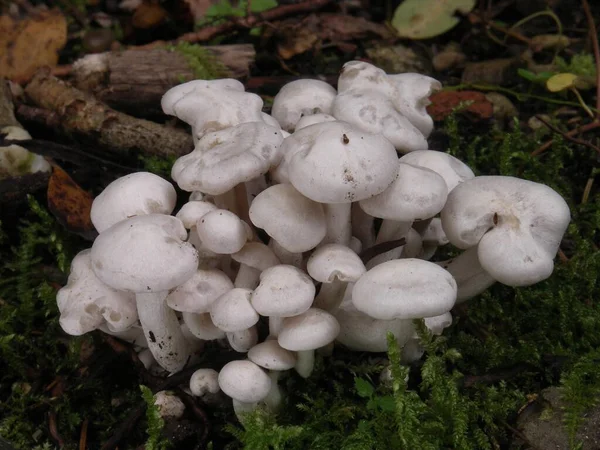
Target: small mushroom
(246,383)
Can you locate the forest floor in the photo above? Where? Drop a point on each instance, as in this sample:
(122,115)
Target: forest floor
(518,368)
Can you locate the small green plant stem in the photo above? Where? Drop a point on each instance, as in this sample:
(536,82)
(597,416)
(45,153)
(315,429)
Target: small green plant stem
(582,103)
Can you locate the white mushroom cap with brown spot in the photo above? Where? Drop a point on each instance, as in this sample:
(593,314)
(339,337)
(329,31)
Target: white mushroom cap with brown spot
(333,162)
(517,225)
(193,211)
(132,195)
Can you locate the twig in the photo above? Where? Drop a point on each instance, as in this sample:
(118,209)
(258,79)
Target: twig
(190,404)
(583,129)
(53,427)
(594,36)
(125,427)
(253,20)
(566,135)
(83,435)
(379,249)
(474,18)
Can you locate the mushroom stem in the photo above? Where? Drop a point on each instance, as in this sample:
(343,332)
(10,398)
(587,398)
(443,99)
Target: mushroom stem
(241,409)
(275,324)
(285,256)
(305,363)
(392,229)
(339,228)
(470,277)
(362,226)
(163,332)
(255,187)
(247,277)
(226,201)
(330,296)
(274,398)
(201,326)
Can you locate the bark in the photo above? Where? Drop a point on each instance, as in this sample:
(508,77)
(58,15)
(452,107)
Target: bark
(80,115)
(14,190)
(134,81)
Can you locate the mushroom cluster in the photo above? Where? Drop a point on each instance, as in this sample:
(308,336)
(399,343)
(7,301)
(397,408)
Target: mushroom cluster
(307,222)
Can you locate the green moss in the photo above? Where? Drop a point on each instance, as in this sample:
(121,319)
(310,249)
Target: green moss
(202,62)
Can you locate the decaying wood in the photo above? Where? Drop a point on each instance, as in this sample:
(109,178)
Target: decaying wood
(15,189)
(133,81)
(81,116)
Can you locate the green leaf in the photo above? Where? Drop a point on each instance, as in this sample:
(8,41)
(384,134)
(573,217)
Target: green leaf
(363,387)
(422,19)
(540,77)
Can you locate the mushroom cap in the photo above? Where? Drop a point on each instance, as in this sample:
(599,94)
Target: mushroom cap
(470,277)
(225,158)
(169,405)
(144,254)
(193,211)
(204,381)
(310,330)
(256,255)
(271,121)
(434,233)
(294,221)
(363,75)
(212,105)
(411,97)
(270,355)
(306,121)
(404,289)
(416,193)
(517,225)
(202,326)
(332,261)
(244,381)
(135,194)
(301,98)
(451,169)
(198,293)
(333,162)
(222,232)
(85,302)
(232,311)
(362,333)
(283,291)
(243,340)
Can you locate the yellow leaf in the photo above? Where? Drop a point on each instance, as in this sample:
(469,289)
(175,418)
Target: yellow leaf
(560,82)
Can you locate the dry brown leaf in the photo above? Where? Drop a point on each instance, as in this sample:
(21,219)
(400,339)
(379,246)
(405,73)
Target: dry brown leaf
(148,15)
(69,203)
(297,37)
(443,104)
(26,45)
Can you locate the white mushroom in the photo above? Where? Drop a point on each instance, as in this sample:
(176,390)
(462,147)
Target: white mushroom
(246,383)
(132,195)
(516,224)
(305,333)
(222,232)
(85,302)
(147,255)
(451,169)
(471,278)
(283,291)
(404,289)
(204,383)
(254,258)
(169,405)
(334,265)
(200,291)
(301,98)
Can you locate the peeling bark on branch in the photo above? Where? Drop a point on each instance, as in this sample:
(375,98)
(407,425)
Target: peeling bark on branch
(82,116)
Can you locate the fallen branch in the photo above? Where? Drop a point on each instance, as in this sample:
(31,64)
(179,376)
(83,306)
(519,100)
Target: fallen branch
(78,114)
(133,81)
